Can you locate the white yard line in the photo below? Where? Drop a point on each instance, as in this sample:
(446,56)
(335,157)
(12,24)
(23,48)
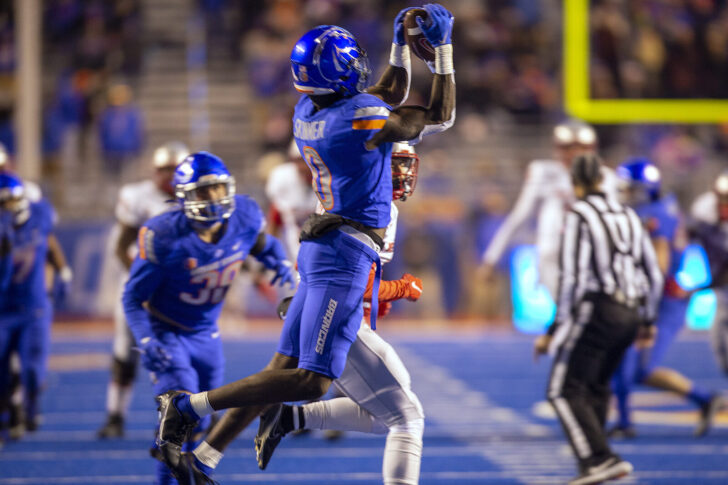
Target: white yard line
(469,416)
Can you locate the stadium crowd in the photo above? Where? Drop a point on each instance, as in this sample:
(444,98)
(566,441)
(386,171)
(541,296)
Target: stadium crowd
(508,60)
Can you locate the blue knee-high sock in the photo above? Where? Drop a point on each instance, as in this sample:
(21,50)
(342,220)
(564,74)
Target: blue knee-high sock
(623,411)
(621,387)
(183,403)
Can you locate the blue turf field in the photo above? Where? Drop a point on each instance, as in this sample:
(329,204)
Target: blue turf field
(484,423)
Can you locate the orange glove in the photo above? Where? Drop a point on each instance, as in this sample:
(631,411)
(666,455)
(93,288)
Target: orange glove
(408,286)
(414,287)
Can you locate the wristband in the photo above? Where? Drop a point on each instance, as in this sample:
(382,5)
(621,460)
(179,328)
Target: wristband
(443,59)
(207,454)
(399,56)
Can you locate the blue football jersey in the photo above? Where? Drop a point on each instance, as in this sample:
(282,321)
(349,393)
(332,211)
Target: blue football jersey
(27,286)
(348,179)
(662,220)
(6,258)
(182,279)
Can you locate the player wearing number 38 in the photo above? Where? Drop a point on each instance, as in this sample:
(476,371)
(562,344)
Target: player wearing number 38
(187,260)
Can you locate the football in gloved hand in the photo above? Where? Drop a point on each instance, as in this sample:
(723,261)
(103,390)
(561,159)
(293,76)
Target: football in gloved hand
(419,45)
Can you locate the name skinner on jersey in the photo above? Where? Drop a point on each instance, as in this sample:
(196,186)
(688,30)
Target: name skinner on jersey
(309,130)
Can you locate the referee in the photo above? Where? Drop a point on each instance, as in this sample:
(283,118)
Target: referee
(609,288)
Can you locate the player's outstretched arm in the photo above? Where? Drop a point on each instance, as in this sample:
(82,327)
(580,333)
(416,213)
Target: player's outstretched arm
(269,251)
(144,278)
(57,259)
(127,236)
(413,122)
(524,208)
(393,86)
(409,287)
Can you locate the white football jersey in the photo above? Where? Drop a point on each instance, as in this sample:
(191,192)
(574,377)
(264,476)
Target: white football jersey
(139,202)
(390,233)
(293,198)
(546,194)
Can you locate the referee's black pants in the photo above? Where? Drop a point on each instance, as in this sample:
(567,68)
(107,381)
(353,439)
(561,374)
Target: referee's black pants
(579,386)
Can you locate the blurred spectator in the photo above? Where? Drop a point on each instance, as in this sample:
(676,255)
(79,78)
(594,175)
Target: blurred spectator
(92,47)
(7,131)
(63,19)
(432,249)
(7,46)
(121,129)
(124,32)
(653,49)
(487,301)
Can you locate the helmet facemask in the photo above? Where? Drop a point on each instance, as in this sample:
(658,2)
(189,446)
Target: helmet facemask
(405,167)
(209,200)
(632,194)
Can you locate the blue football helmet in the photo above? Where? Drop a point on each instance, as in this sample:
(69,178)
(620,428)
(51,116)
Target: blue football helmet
(639,180)
(193,180)
(13,199)
(328,59)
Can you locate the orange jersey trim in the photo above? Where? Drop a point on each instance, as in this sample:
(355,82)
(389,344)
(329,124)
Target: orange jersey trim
(368,124)
(142,249)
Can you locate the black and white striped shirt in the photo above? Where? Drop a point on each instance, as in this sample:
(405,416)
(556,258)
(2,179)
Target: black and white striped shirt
(605,249)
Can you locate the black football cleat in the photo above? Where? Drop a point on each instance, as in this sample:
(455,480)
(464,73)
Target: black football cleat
(270,433)
(612,468)
(33,423)
(112,429)
(17,422)
(333,434)
(174,428)
(174,425)
(191,472)
(707,415)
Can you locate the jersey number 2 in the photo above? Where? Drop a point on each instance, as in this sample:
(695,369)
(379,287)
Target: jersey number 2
(216,284)
(321,177)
